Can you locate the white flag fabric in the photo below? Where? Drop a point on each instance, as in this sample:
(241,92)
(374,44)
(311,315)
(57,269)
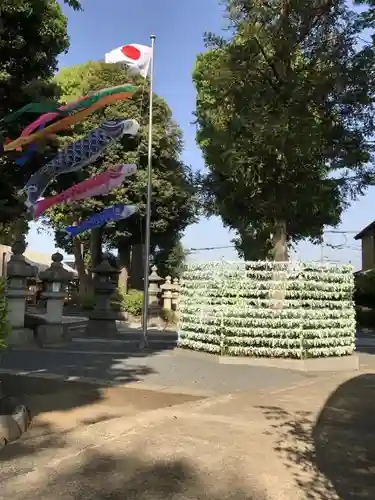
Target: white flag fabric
(136,57)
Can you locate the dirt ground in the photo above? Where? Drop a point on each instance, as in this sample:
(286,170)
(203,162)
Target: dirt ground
(56,405)
(312,440)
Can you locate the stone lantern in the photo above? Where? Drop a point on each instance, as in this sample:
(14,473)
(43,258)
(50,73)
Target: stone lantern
(18,273)
(154,309)
(167,293)
(102,319)
(55,280)
(175,294)
(153,287)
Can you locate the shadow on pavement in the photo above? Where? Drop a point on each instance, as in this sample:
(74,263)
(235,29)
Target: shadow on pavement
(45,394)
(94,360)
(42,437)
(98,476)
(332,456)
(365,349)
(57,407)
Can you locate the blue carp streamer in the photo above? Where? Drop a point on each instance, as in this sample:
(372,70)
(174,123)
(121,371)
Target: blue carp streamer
(78,155)
(113,213)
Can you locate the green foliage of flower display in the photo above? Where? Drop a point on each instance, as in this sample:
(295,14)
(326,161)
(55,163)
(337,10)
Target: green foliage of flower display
(268,309)
(4,324)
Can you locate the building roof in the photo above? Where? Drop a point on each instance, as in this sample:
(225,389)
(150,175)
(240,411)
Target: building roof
(367,229)
(41,260)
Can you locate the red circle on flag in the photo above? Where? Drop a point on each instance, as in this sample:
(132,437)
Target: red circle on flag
(131,52)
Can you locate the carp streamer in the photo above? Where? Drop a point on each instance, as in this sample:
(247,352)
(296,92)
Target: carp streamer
(113,213)
(78,155)
(87,105)
(98,185)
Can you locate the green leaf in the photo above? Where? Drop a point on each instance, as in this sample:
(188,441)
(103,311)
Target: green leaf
(285,119)
(174,199)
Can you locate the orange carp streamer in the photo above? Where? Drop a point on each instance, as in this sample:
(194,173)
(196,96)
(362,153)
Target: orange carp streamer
(66,122)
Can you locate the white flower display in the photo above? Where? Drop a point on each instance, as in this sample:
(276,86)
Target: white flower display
(268,309)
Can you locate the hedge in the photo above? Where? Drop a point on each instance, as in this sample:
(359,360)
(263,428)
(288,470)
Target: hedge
(268,309)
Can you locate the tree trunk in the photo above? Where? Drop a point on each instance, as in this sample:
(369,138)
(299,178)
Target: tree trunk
(137,267)
(279,242)
(85,281)
(123,249)
(280,254)
(96,246)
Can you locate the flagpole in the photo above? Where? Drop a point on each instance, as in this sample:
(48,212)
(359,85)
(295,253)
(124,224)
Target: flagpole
(148,204)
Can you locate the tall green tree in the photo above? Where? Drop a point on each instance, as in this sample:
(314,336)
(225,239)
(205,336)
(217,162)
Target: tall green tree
(32,35)
(285,117)
(174,204)
(367,16)
(171,259)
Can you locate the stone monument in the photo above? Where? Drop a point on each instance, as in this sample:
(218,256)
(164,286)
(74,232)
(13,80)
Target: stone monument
(154,309)
(18,273)
(55,280)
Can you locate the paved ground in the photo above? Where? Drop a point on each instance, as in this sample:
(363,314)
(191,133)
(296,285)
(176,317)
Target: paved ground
(313,440)
(108,361)
(277,435)
(57,405)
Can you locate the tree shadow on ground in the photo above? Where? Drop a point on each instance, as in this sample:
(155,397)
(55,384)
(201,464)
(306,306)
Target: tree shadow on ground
(43,437)
(332,456)
(61,380)
(116,363)
(48,394)
(365,349)
(57,407)
(96,475)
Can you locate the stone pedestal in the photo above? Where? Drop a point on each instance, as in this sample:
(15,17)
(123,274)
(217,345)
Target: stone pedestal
(154,309)
(18,272)
(55,280)
(175,294)
(102,319)
(167,293)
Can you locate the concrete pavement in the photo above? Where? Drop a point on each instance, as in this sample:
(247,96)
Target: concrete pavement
(110,362)
(312,440)
(185,428)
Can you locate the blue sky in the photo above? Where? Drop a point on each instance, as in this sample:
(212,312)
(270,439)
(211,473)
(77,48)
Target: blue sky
(179,28)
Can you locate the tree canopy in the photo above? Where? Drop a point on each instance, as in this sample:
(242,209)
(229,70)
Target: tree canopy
(32,35)
(170,260)
(174,204)
(285,118)
(367,16)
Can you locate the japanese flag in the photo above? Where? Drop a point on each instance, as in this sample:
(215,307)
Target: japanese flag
(136,57)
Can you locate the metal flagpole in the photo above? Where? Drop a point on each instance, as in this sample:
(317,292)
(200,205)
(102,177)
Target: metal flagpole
(148,205)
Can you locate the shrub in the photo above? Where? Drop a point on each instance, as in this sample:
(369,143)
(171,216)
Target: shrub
(269,309)
(365,316)
(87,302)
(4,324)
(364,292)
(132,302)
